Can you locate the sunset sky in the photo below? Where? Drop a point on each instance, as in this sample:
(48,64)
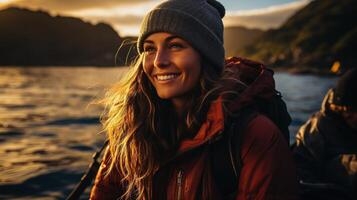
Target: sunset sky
(125,15)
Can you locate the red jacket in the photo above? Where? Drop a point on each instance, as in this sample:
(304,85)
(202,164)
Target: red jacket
(268,171)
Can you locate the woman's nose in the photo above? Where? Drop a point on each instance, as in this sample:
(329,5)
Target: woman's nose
(162,58)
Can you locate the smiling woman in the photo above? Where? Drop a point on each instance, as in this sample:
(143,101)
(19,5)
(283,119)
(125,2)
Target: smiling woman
(165,117)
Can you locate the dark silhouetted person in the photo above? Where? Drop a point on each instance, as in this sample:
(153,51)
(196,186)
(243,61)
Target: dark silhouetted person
(326,146)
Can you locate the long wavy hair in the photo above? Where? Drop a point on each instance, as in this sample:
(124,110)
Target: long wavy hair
(140,129)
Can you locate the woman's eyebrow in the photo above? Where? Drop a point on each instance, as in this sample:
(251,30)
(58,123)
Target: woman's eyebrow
(166,40)
(148,41)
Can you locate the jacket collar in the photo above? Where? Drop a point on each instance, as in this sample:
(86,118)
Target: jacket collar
(213,126)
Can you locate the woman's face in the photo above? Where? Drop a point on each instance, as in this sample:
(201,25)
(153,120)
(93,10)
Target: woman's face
(171,64)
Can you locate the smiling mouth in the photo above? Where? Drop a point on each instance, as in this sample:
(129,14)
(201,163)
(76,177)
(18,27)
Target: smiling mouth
(166,77)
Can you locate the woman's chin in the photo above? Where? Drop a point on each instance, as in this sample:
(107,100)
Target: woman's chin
(165,96)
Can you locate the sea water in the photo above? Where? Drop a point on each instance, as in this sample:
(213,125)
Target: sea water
(49,123)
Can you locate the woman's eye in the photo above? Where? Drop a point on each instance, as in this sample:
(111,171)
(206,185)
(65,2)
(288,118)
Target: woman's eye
(176,46)
(149,49)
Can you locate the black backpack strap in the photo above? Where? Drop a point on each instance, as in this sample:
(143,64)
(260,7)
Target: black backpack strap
(276,110)
(90,174)
(226,159)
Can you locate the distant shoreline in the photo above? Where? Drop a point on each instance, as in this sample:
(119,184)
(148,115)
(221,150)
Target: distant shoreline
(305,70)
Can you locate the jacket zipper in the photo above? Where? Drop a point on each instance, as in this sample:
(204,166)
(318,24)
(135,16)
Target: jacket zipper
(179,184)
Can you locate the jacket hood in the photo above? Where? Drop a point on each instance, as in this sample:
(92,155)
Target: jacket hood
(259,80)
(325,105)
(260,84)
(326,111)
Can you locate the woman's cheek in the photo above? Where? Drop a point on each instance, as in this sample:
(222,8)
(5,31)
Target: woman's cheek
(146,66)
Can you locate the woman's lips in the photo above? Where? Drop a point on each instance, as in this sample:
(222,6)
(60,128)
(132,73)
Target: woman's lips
(166,77)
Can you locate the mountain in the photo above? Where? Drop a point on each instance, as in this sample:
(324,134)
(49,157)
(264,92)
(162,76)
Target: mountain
(236,38)
(321,33)
(37,38)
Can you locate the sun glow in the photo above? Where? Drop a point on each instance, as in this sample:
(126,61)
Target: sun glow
(5,1)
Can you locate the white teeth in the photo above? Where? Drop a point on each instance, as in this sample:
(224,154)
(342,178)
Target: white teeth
(166,77)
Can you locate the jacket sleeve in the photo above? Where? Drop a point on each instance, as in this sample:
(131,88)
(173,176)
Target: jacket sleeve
(106,187)
(268,170)
(309,151)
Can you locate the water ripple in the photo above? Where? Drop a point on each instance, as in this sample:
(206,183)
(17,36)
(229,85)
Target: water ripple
(70,121)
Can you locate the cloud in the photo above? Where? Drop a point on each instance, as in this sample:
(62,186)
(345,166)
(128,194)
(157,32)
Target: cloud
(265,18)
(124,15)
(72,5)
(125,19)
(126,25)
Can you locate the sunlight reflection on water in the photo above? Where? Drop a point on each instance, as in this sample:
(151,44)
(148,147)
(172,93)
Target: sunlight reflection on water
(47,128)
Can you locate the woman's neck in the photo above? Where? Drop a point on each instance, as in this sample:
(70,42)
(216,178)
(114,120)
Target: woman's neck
(180,108)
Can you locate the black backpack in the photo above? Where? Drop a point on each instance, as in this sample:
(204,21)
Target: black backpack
(225,152)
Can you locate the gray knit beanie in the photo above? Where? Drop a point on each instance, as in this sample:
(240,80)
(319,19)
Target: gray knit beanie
(197,21)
